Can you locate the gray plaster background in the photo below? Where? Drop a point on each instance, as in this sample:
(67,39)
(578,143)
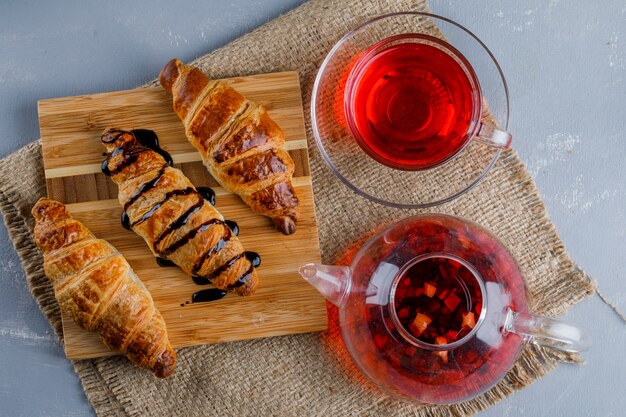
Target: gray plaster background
(566,66)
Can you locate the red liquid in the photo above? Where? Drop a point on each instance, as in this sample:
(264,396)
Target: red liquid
(438,375)
(412,106)
(438,300)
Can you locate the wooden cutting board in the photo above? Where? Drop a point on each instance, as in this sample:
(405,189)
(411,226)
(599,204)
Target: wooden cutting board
(72,152)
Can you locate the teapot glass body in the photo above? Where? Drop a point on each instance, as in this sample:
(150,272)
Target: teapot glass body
(434,308)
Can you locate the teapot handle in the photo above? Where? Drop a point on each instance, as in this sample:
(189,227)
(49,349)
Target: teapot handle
(548,332)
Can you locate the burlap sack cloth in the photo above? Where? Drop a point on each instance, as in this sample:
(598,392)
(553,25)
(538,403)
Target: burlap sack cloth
(308,374)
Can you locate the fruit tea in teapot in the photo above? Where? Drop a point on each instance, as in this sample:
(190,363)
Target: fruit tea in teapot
(437,300)
(434,308)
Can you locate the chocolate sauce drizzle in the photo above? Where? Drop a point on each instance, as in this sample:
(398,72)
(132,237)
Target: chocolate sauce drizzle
(233,226)
(179,222)
(211,294)
(166,197)
(129,158)
(188,236)
(125,221)
(218,246)
(200,280)
(149,140)
(105,168)
(207,193)
(164,262)
(120,133)
(253,257)
(255,261)
(215,293)
(226,265)
(145,188)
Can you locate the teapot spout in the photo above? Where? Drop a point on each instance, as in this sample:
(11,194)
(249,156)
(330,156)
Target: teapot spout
(333,282)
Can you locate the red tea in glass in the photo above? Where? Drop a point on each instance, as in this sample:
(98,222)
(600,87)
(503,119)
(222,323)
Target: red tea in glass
(412,102)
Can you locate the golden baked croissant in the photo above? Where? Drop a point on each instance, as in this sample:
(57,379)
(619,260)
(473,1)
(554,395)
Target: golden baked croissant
(96,286)
(242,147)
(176,222)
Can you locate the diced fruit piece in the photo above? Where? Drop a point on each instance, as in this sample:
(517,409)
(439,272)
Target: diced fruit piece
(403,313)
(380,341)
(421,322)
(471,356)
(452,301)
(451,335)
(429,290)
(469,320)
(443,354)
(444,270)
(478,308)
(444,294)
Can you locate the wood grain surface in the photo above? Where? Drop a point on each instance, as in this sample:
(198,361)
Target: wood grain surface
(283,304)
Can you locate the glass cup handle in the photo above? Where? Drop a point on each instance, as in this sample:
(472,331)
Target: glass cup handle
(492,136)
(548,332)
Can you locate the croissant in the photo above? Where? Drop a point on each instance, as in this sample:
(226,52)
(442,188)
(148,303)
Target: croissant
(242,147)
(96,286)
(177,223)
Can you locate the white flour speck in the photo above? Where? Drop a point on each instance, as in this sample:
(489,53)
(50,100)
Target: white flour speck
(517,20)
(553,149)
(174,38)
(10,329)
(576,200)
(14,72)
(552,5)
(616,57)
(571,198)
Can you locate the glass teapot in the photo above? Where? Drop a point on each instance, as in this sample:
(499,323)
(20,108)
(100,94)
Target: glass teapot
(434,308)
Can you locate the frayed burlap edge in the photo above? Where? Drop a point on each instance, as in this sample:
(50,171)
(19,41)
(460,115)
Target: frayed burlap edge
(571,288)
(108,396)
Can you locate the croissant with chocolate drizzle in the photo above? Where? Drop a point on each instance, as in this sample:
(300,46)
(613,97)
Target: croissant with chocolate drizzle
(242,147)
(177,223)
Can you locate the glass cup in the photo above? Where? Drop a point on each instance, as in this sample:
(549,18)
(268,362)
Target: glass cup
(413,102)
(341,106)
